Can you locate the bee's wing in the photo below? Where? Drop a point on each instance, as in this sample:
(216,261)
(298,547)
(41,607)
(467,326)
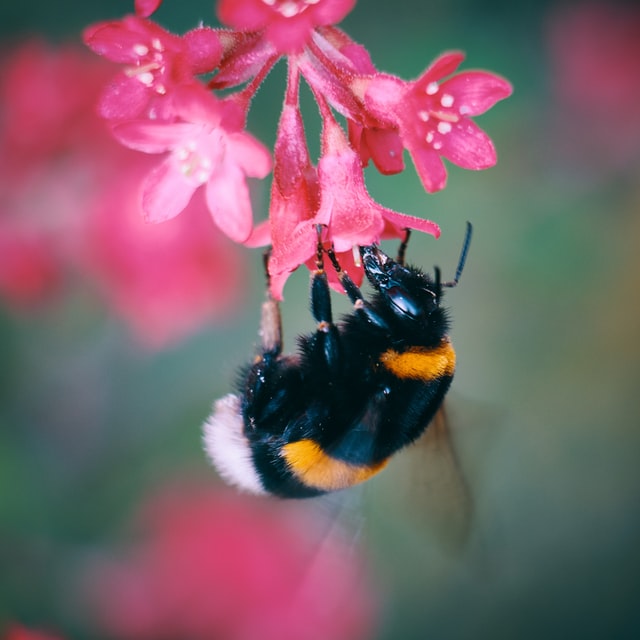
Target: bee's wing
(424,486)
(438,478)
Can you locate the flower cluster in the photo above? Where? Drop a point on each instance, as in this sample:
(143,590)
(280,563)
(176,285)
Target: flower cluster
(168,99)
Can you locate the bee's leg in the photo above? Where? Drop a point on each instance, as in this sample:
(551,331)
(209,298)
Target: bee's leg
(402,249)
(270,320)
(263,379)
(352,290)
(327,337)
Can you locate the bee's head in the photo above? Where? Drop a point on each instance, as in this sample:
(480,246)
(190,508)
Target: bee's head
(406,291)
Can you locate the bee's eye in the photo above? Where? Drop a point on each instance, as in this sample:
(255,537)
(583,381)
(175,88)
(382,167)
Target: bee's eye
(403,302)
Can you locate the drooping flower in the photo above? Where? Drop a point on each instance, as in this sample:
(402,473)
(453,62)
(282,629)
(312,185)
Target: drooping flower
(287,24)
(432,116)
(332,197)
(209,564)
(201,153)
(156,62)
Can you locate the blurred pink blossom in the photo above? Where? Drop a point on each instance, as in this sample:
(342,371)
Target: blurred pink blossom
(20,632)
(594,50)
(70,204)
(211,564)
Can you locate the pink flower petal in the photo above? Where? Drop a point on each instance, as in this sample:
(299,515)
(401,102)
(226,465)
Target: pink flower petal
(165,192)
(249,154)
(468,146)
(476,91)
(260,236)
(328,12)
(402,221)
(124,98)
(229,202)
(150,137)
(203,49)
(430,168)
(289,35)
(114,41)
(386,149)
(145,8)
(244,15)
(443,66)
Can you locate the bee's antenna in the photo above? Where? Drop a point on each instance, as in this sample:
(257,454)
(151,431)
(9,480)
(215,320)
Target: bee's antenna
(463,257)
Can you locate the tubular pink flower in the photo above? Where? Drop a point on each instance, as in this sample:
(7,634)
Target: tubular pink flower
(294,195)
(353,217)
(288,24)
(432,116)
(201,153)
(156,62)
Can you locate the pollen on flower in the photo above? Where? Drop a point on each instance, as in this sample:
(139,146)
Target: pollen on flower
(289,8)
(444,127)
(432,88)
(193,164)
(429,137)
(446,100)
(423,115)
(140,49)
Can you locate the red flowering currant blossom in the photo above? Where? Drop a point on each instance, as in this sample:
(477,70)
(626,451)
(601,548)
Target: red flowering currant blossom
(210,564)
(287,24)
(156,62)
(202,153)
(432,116)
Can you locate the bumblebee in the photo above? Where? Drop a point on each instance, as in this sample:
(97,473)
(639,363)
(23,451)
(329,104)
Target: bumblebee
(356,392)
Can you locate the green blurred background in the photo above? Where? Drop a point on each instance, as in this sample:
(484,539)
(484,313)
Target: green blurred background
(545,400)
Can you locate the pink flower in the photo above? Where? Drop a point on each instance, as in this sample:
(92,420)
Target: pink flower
(432,117)
(345,210)
(29,266)
(210,564)
(594,50)
(202,153)
(19,632)
(288,24)
(166,281)
(156,62)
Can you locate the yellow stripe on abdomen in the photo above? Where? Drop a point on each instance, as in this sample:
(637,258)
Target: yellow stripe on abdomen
(314,468)
(421,363)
